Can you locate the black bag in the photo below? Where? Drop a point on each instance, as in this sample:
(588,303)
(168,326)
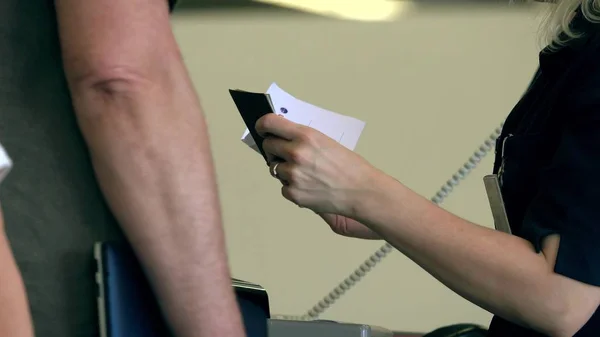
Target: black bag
(458,330)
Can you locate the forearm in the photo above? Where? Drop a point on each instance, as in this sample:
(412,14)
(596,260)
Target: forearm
(152,158)
(15,320)
(162,191)
(499,272)
(148,140)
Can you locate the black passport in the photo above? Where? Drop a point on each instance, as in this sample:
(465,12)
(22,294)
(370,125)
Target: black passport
(252,106)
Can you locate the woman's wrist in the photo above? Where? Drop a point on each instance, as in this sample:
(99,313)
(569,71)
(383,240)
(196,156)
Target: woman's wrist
(379,194)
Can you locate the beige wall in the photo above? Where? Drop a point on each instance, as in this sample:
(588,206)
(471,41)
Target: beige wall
(431,86)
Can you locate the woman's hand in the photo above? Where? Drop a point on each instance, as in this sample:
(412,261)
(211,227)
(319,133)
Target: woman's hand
(317,172)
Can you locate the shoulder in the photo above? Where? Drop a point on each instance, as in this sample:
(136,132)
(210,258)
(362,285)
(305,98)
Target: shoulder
(580,88)
(588,50)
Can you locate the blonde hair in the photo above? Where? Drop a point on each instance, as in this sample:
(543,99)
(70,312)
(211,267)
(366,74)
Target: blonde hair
(557,29)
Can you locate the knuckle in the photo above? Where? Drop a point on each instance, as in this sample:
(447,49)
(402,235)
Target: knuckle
(293,175)
(307,135)
(310,135)
(289,194)
(285,192)
(298,155)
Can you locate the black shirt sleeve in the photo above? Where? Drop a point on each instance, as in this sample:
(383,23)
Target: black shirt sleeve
(567,202)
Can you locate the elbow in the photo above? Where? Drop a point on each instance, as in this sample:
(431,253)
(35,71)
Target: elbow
(115,71)
(566,321)
(111,81)
(115,94)
(115,103)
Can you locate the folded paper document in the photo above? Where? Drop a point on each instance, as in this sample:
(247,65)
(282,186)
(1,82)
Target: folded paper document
(345,130)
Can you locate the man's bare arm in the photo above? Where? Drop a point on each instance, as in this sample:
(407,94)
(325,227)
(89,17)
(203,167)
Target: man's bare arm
(148,139)
(15,319)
